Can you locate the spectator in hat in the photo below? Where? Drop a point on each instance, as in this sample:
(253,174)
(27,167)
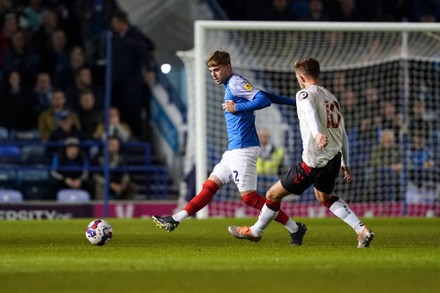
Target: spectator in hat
(77,177)
(66,129)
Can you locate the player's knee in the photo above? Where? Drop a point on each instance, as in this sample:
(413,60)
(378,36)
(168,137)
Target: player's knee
(321,196)
(272,196)
(276,192)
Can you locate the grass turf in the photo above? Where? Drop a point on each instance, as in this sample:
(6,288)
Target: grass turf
(200,256)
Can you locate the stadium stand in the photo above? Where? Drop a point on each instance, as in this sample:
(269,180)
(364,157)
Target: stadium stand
(9,154)
(21,149)
(330,10)
(25,167)
(8,177)
(10,196)
(4,134)
(34,154)
(73,196)
(24,158)
(33,183)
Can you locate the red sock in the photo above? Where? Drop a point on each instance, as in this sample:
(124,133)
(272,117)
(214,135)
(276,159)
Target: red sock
(328,203)
(204,197)
(256,201)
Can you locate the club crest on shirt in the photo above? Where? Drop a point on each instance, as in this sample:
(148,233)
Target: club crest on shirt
(303,95)
(247,86)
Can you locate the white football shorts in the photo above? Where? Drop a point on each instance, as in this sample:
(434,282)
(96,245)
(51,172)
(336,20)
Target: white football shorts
(239,166)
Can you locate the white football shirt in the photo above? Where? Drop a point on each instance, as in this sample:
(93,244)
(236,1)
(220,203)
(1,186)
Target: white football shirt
(319,111)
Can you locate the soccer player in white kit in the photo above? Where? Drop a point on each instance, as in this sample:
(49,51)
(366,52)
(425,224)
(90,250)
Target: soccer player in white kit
(239,162)
(325,151)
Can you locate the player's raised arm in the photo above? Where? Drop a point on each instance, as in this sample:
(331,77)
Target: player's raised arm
(282,100)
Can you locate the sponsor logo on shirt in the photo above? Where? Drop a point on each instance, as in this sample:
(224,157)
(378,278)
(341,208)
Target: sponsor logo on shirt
(303,95)
(247,86)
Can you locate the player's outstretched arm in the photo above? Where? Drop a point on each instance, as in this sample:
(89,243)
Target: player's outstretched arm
(283,100)
(259,101)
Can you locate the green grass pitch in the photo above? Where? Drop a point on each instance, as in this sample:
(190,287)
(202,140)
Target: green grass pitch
(200,256)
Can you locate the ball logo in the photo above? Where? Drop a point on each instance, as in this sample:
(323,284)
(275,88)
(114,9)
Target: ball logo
(91,232)
(247,86)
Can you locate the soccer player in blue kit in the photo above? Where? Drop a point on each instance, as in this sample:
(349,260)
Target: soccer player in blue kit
(239,162)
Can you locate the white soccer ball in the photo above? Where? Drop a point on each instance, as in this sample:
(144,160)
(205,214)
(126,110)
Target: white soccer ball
(99,232)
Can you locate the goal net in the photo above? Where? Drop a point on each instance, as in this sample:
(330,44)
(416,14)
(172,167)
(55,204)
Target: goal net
(387,79)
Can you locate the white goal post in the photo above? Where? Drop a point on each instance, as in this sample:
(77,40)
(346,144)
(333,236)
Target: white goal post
(363,52)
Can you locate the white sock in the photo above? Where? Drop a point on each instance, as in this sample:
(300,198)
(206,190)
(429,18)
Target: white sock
(264,219)
(182,215)
(291,226)
(341,210)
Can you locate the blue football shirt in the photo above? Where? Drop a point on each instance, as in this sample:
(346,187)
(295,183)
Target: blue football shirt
(240,125)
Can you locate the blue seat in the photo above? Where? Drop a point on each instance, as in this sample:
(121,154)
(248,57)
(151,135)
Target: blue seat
(4,133)
(26,135)
(8,178)
(34,155)
(10,196)
(9,154)
(34,183)
(73,196)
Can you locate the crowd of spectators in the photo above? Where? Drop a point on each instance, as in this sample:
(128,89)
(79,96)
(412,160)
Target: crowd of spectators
(52,79)
(52,76)
(51,55)
(385,147)
(381,141)
(333,10)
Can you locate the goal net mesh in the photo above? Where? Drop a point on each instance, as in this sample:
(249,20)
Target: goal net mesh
(388,85)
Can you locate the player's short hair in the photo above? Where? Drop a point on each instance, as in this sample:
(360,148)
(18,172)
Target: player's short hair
(218,58)
(307,66)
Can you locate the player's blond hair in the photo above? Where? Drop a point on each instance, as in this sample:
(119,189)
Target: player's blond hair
(308,66)
(218,58)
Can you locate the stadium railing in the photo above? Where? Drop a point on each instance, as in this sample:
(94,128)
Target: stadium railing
(30,173)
